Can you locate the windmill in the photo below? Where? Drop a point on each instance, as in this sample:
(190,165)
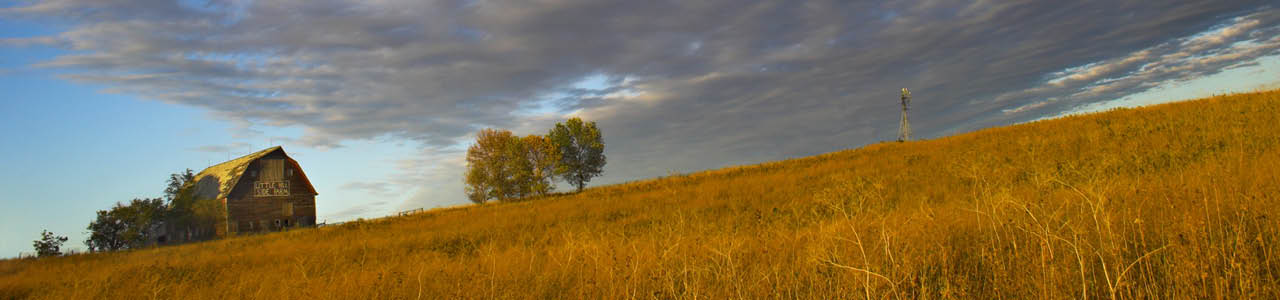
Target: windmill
(904,128)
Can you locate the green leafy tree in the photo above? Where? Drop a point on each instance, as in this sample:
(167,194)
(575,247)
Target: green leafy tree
(188,217)
(207,215)
(125,226)
(504,167)
(106,232)
(49,244)
(176,185)
(180,219)
(581,149)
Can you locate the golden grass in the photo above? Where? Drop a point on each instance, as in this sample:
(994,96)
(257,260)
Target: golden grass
(1171,201)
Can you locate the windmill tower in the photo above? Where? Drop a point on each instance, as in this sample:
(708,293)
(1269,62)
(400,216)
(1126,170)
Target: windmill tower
(904,128)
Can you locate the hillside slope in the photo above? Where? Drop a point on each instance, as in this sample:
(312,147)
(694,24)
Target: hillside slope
(1170,201)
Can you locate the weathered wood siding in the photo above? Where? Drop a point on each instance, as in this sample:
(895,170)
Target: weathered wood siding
(248,211)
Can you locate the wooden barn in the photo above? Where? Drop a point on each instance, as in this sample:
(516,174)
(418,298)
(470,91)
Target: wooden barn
(263,191)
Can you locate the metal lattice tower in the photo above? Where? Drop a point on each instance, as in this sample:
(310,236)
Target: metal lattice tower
(904,128)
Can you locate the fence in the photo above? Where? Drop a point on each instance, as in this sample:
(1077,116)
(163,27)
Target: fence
(410,212)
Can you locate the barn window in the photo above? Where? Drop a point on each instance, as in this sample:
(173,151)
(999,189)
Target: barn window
(289,172)
(277,223)
(286,222)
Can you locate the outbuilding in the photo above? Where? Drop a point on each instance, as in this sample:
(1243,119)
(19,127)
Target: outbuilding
(263,191)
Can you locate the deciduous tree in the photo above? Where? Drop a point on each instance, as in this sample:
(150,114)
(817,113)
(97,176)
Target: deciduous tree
(581,148)
(542,157)
(504,167)
(49,244)
(181,203)
(489,175)
(174,187)
(125,226)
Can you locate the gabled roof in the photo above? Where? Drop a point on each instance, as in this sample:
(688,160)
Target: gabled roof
(228,173)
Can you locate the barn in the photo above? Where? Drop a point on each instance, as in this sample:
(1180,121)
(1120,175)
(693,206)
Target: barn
(263,191)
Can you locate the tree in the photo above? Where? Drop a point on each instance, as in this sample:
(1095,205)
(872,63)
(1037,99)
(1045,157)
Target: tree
(488,174)
(106,232)
(125,226)
(175,186)
(581,150)
(504,167)
(49,244)
(182,218)
(542,157)
(207,214)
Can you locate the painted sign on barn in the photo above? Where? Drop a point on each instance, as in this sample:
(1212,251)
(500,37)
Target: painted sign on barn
(271,188)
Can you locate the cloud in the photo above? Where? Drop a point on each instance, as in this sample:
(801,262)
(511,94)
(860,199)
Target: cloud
(1237,42)
(31,41)
(675,85)
(432,178)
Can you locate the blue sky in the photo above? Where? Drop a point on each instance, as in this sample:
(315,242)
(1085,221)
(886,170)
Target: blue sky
(378,100)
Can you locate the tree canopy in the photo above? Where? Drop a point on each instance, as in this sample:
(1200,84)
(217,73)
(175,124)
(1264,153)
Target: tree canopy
(504,167)
(581,149)
(48,244)
(125,226)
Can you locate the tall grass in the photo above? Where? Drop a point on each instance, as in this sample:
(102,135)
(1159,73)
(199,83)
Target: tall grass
(1171,201)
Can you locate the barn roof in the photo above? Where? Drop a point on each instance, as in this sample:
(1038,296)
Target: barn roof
(228,173)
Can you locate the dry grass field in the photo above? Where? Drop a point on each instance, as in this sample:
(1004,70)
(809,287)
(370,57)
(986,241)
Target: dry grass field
(1170,201)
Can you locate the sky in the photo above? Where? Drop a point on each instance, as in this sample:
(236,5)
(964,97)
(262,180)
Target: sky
(100,100)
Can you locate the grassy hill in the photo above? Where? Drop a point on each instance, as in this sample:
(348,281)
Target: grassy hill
(1170,201)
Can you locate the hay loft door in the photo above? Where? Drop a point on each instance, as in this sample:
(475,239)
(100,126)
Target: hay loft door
(272,182)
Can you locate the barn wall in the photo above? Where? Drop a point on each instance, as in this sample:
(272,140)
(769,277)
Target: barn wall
(247,212)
